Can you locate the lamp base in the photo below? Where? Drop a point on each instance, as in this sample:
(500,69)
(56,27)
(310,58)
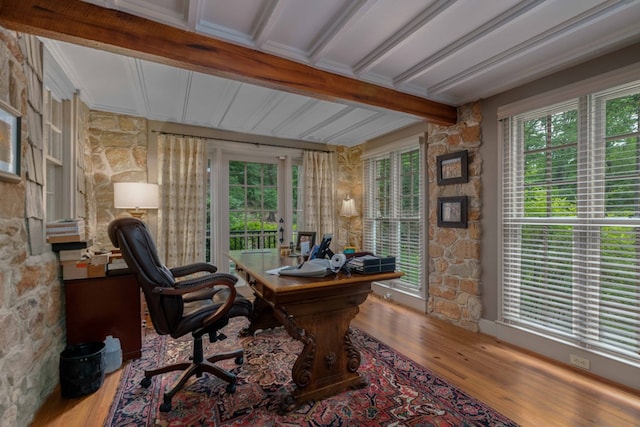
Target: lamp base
(137,213)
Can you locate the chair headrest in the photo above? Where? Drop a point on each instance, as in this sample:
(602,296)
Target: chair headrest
(118,223)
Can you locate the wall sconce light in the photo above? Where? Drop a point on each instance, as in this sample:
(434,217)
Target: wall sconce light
(348,210)
(136,197)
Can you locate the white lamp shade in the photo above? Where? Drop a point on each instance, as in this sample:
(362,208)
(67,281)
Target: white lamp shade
(135,195)
(348,208)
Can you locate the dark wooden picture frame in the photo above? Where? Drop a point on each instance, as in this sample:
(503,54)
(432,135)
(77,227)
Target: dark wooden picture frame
(452,212)
(453,168)
(10,146)
(305,236)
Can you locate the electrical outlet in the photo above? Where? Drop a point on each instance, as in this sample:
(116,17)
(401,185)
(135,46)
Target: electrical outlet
(580,362)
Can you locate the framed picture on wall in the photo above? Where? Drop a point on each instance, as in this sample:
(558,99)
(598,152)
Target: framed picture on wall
(452,212)
(453,168)
(9,143)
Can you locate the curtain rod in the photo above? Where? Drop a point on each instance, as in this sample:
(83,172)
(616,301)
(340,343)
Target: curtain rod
(257,144)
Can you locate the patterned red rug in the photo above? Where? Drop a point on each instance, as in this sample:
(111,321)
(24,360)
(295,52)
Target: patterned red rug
(401,393)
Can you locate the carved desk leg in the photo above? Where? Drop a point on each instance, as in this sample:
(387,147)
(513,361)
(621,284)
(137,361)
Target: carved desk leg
(329,362)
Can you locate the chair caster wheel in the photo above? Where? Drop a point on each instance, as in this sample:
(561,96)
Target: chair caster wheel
(166,406)
(231,387)
(239,360)
(146,382)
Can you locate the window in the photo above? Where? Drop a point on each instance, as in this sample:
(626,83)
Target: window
(63,140)
(63,158)
(253,205)
(394,213)
(571,222)
(253,198)
(53,125)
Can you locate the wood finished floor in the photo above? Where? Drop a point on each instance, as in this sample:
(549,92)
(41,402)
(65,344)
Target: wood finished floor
(526,388)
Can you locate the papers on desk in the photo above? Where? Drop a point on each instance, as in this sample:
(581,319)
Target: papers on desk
(360,261)
(276,270)
(313,268)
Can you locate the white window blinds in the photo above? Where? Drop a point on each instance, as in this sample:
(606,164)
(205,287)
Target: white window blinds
(393,217)
(571,221)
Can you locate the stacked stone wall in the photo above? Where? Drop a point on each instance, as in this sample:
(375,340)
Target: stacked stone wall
(117,152)
(31,298)
(349,184)
(454,253)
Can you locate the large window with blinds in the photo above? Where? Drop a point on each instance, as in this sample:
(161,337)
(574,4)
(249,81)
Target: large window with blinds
(571,222)
(394,214)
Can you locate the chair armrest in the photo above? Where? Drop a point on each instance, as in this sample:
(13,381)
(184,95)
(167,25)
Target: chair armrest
(224,308)
(209,281)
(203,282)
(193,268)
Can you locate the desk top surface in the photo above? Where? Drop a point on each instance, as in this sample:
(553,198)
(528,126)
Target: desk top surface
(256,263)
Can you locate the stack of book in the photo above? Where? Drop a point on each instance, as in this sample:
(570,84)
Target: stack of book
(117,264)
(66,230)
(73,254)
(370,264)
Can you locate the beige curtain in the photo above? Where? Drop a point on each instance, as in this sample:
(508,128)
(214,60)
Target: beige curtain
(319,206)
(181,217)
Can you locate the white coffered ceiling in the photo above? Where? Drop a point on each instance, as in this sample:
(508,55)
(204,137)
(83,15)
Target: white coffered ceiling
(449,51)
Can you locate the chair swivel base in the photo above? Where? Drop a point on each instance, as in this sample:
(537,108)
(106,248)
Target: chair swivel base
(197,369)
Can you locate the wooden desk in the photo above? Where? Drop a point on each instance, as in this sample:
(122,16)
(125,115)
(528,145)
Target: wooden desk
(315,311)
(104,306)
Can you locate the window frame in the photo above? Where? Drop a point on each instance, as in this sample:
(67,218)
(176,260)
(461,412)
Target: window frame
(219,153)
(60,199)
(590,130)
(398,289)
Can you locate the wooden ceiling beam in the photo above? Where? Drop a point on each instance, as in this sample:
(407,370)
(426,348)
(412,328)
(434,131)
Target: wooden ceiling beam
(89,25)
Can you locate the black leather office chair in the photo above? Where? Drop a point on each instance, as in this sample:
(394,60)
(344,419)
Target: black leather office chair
(200,305)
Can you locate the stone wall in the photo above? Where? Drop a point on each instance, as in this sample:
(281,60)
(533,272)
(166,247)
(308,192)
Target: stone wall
(31,298)
(118,153)
(349,184)
(454,253)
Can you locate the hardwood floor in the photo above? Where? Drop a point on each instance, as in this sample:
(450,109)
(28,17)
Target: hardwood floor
(526,388)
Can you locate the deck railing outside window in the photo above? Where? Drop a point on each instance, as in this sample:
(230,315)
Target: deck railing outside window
(254,239)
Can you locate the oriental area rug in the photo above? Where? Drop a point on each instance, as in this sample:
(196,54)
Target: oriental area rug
(400,392)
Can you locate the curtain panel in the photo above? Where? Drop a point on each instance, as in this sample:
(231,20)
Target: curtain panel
(182,182)
(320,173)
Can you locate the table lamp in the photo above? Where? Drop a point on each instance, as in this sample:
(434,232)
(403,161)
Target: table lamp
(348,210)
(136,197)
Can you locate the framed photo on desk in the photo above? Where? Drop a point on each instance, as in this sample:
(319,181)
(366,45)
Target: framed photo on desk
(305,236)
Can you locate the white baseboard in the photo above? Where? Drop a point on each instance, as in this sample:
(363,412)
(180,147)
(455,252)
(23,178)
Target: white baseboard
(487,327)
(617,370)
(399,297)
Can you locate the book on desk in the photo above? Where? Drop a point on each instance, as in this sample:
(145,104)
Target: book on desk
(370,264)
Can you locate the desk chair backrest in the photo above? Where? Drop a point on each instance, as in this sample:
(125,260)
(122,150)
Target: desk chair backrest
(139,251)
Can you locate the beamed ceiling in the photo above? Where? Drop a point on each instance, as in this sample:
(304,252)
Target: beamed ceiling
(329,71)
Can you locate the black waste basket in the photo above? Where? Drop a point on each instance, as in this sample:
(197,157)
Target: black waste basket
(81,369)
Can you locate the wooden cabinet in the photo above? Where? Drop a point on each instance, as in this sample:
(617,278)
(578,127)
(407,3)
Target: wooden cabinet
(98,307)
